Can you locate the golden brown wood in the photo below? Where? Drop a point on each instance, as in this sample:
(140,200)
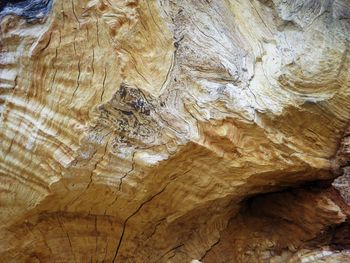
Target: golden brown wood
(140,130)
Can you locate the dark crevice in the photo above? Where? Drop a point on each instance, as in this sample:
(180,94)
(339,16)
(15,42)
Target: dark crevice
(282,209)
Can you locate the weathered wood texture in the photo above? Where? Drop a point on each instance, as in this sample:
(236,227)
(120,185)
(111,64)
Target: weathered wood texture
(172,131)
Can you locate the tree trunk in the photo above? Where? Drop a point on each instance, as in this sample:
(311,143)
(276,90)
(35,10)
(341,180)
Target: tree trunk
(174,131)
